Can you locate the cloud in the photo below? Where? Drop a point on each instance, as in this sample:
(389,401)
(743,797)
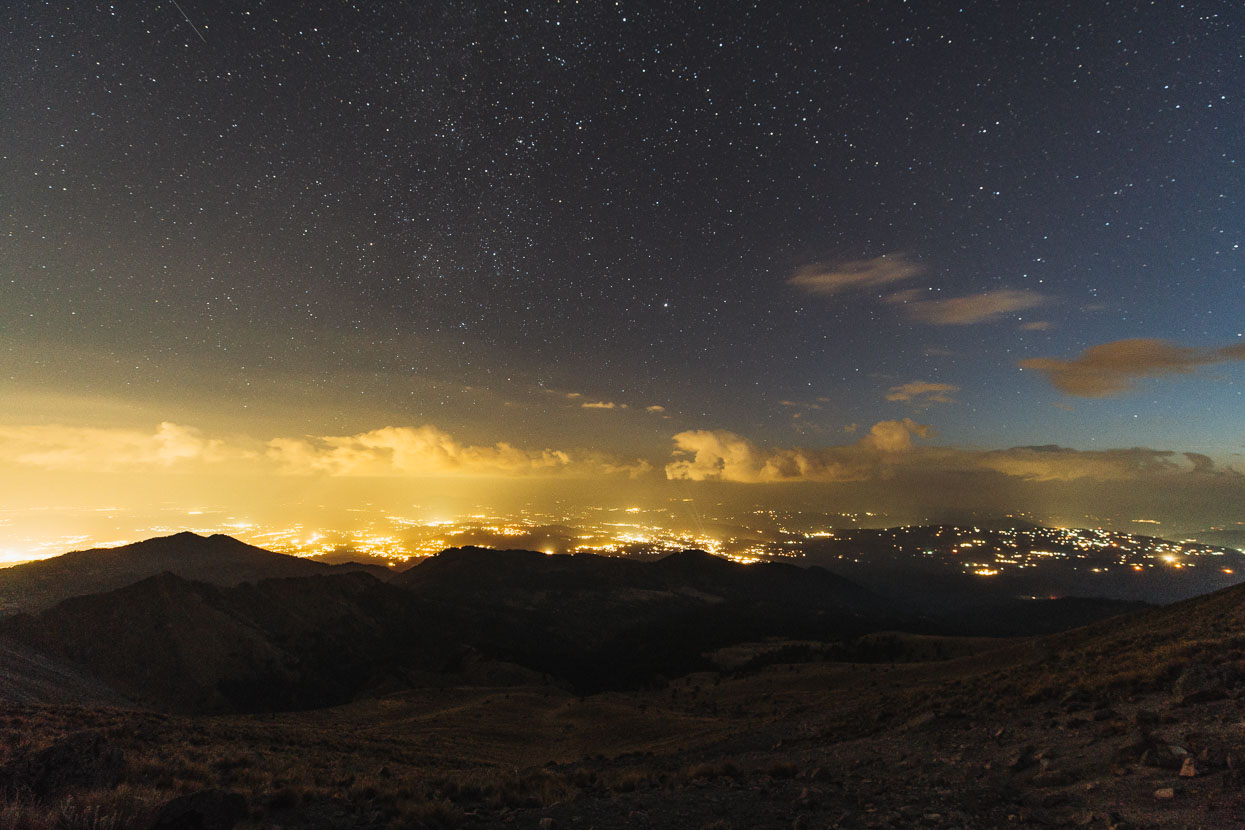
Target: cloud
(1035,325)
(969,310)
(391,451)
(655,409)
(894,436)
(701,455)
(1054,463)
(862,273)
(922,392)
(889,269)
(890,452)
(1111,368)
(94,449)
(429,451)
(601,405)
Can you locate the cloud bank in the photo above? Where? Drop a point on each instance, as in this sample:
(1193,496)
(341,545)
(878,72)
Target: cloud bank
(429,451)
(390,451)
(890,450)
(1110,369)
(704,455)
(94,449)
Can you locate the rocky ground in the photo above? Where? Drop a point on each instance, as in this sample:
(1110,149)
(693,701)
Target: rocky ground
(790,746)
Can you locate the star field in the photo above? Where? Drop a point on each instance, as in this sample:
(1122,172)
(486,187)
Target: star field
(789,221)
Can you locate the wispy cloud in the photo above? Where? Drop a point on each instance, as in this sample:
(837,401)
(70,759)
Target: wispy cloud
(1112,368)
(922,392)
(968,310)
(602,405)
(655,409)
(890,269)
(819,278)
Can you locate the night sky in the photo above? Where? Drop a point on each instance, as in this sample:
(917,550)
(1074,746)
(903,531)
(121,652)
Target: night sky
(826,244)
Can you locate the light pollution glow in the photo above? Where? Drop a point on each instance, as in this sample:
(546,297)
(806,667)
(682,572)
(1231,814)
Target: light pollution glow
(66,487)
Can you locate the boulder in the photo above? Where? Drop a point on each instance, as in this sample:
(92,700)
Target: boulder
(1200,683)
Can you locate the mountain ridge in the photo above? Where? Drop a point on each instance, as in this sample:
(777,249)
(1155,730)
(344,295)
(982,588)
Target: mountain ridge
(218,559)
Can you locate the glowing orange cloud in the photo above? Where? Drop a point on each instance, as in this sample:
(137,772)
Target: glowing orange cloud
(429,451)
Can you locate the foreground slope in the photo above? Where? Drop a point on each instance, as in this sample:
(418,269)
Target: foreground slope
(1128,723)
(218,559)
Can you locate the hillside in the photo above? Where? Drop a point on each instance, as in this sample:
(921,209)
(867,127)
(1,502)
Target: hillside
(590,622)
(290,643)
(1132,722)
(218,559)
(538,582)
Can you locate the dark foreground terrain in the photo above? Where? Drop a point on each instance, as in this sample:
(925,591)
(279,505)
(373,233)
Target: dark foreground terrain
(1129,722)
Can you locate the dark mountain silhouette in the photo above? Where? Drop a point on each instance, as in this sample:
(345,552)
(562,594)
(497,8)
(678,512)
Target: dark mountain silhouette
(523,578)
(610,622)
(590,623)
(292,643)
(218,559)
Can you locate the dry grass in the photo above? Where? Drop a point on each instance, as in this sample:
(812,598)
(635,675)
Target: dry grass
(100,809)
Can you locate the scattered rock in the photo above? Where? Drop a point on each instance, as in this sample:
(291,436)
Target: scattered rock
(1021,759)
(920,720)
(1200,683)
(1165,793)
(1188,769)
